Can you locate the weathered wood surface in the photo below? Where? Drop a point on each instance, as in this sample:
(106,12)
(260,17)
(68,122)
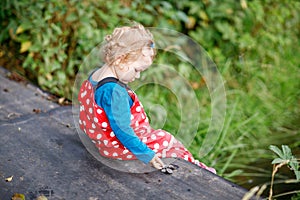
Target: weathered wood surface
(43,153)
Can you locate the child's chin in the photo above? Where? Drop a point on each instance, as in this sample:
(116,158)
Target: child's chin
(125,81)
(129,81)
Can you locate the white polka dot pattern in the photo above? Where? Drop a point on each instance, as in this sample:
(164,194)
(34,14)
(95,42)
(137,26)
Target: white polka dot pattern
(104,124)
(94,119)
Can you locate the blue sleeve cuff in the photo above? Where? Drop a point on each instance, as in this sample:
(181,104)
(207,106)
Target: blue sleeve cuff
(146,158)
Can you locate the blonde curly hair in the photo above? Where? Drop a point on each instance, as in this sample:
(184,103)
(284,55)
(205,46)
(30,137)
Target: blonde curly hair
(126,43)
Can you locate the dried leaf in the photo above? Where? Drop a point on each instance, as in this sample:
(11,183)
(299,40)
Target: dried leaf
(19,30)
(25,46)
(61,100)
(9,179)
(244,4)
(18,196)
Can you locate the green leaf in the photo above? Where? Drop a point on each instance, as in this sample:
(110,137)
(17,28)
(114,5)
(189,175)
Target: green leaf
(55,65)
(276,150)
(61,77)
(182,16)
(297,173)
(278,160)
(294,164)
(56,28)
(286,151)
(26,25)
(166,5)
(71,17)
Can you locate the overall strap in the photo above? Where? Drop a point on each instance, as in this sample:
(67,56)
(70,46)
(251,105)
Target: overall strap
(111,80)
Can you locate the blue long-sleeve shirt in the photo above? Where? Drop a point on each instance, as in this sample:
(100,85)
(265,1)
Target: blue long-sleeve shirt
(116,102)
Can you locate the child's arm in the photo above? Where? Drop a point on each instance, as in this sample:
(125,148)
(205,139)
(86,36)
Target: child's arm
(114,101)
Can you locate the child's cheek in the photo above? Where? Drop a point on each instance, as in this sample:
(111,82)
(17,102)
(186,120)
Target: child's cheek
(128,76)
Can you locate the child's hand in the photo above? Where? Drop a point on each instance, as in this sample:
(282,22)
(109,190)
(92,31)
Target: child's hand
(157,162)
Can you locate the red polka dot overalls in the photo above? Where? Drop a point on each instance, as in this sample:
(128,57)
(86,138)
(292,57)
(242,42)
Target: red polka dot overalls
(94,122)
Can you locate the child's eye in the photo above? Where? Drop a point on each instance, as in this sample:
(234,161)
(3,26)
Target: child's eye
(152,45)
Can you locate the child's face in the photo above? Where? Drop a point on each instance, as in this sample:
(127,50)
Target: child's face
(133,69)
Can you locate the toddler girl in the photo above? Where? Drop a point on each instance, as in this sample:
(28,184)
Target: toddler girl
(110,112)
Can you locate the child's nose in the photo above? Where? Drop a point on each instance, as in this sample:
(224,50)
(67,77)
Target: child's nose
(151,52)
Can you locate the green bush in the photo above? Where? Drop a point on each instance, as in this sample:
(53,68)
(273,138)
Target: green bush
(53,37)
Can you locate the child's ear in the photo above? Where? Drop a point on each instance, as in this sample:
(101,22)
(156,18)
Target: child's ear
(119,61)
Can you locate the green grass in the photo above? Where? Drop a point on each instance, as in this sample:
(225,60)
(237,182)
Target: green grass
(261,111)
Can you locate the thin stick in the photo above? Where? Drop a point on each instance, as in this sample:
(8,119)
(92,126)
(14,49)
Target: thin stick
(275,169)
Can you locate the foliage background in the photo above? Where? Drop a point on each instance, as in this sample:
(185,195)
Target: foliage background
(255,45)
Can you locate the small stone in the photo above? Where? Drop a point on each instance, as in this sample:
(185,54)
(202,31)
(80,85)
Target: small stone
(42,197)
(173,166)
(167,170)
